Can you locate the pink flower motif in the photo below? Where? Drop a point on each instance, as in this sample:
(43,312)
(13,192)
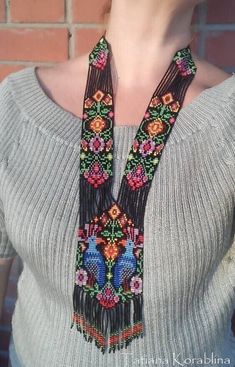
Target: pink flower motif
(183,67)
(147,114)
(116,299)
(135,145)
(96,144)
(100,60)
(84,144)
(172,120)
(109,144)
(147,147)
(81,277)
(111,114)
(136,285)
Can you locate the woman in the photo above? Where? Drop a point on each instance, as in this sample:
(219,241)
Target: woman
(188,273)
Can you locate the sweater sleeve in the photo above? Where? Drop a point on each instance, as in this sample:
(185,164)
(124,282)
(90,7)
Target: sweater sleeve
(229,134)
(9,129)
(227,155)
(6,248)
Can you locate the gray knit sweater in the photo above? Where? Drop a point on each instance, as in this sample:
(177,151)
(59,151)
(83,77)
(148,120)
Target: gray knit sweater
(189,259)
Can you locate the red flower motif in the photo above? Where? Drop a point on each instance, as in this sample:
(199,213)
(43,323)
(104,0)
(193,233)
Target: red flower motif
(95,175)
(137,178)
(107,298)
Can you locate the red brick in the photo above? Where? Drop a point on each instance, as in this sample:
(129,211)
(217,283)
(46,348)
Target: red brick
(6,316)
(3,360)
(34,44)
(219,48)
(85,39)
(87,11)
(221,11)
(6,69)
(37,10)
(4,341)
(2,11)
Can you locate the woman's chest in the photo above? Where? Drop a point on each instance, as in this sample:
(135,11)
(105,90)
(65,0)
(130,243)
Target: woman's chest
(188,215)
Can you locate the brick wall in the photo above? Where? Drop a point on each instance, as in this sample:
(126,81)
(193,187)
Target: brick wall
(32,32)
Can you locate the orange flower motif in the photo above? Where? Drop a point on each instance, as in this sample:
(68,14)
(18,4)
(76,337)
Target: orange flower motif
(114,211)
(111,251)
(98,95)
(97,124)
(175,106)
(167,98)
(155,127)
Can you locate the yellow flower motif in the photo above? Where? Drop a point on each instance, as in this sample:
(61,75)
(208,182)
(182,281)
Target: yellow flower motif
(155,161)
(130,156)
(110,156)
(82,156)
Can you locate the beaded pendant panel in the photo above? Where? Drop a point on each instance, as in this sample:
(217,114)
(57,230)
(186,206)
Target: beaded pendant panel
(108,288)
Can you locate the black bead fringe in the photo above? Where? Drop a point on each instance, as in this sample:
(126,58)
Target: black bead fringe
(108,324)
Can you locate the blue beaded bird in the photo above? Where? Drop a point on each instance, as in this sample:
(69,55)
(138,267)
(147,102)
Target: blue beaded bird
(94,261)
(125,265)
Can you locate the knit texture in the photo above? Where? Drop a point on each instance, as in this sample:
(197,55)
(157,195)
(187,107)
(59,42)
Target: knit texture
(189,261)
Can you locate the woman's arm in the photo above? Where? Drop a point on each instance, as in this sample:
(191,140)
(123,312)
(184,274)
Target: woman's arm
(5,267)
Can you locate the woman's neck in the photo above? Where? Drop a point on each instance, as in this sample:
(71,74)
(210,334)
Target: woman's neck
(145,35)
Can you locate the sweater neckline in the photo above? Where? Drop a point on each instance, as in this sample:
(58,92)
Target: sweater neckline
(53,119)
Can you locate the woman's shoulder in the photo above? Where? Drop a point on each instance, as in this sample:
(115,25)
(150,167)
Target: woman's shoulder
(211,76)
(65,82)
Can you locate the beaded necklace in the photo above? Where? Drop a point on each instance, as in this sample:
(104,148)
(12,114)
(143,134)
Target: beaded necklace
(108,290)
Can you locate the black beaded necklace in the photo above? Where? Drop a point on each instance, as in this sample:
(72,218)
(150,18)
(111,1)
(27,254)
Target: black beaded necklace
(108,290)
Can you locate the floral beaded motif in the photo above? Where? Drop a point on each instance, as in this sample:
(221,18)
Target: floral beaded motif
(150,140)
(99,55)
(97,143)
(109,258)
